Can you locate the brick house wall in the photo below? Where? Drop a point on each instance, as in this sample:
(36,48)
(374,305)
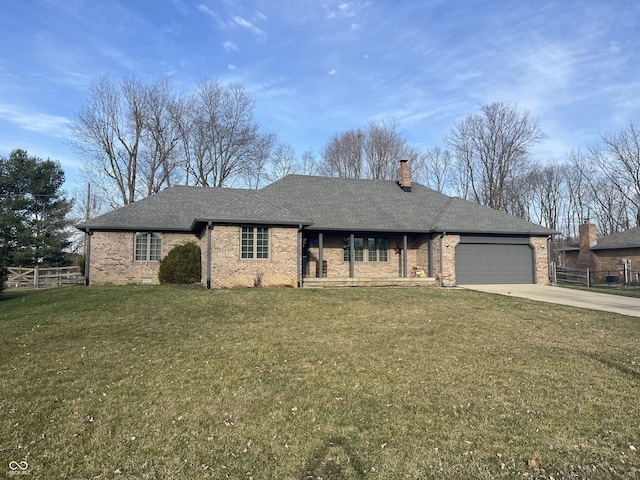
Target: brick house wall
(602,261)
(112,257)
(228,269)
(541,259)
(337,266)
(448,267)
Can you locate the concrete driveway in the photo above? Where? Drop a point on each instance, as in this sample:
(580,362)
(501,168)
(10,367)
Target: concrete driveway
(566,296)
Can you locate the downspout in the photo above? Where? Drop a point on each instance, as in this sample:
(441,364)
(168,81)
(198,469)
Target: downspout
(209,230)
(442,260)
(299,257)
(320,255)
(405,266)
(430,256)
(549,263)
(87,258)
(352,255)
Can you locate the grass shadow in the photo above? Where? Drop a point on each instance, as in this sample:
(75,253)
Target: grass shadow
(334,459)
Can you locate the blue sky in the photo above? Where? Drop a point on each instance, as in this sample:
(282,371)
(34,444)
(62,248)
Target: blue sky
(315,68)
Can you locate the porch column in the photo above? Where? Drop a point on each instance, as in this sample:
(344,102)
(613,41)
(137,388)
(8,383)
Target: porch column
(320,255)
(404,256)
(209,229)
(299,256)
(87,258)
(352,256)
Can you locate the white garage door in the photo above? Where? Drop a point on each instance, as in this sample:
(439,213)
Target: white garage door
(485,263)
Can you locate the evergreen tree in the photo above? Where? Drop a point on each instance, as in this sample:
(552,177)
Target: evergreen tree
(33,211)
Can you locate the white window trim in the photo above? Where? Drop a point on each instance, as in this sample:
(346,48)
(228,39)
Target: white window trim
(255,243)
(147,250)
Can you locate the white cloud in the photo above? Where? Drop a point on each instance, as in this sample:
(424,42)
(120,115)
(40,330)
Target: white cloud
(54,125)
(229,46)
(333,71)
(244,23)
(355,26)
(230,66)
(204,9)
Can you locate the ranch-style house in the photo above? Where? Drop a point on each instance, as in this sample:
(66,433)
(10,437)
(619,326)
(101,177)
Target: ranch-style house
(312,231)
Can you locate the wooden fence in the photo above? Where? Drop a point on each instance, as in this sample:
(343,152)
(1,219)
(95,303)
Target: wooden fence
(40,277)
(571,276)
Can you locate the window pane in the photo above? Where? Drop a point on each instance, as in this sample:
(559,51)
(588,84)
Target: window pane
(141,246)
(371,247)
(359,249)
(262,243)
(155,247)
(247,242)
(383,248)
(346,242)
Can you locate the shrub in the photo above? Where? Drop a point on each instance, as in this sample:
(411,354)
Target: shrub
(182,265)
(82,260)
(3,274)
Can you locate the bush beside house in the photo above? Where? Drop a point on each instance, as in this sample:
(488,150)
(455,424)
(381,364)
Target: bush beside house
(182,265)
(3,274)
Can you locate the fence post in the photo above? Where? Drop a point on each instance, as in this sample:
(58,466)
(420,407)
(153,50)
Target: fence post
(588,278)
(36,277)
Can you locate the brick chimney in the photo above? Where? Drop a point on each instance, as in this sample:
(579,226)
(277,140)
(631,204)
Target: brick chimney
(403,175)
(587,240)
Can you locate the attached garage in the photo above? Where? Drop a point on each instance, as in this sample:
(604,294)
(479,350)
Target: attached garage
(491,260)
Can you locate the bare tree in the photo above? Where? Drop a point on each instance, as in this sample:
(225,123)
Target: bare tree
(160,156)
(283,162)
(383,148)
(491,149)
(579,191)
(342,156)
(369,152)
(433,168)
(542,192)
(107,132)
(618,160)
(255,170)
(224,135)
(308,163)
(140,138)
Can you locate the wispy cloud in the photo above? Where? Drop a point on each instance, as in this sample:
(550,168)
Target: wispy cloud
(204,9)
(229,46)
(244,23)
(333,71)
(54,125)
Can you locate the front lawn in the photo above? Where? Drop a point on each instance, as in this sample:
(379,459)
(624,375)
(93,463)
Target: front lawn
(172,382)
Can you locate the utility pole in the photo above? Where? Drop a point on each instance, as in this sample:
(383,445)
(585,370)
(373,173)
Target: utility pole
(87,211)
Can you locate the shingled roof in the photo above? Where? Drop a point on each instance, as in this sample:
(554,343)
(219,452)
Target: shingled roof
(319,203)
(183,208)
(627,239)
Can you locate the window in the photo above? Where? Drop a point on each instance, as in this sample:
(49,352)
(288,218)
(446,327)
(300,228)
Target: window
(148,247)
(378,249)
(358,244)
(254,242)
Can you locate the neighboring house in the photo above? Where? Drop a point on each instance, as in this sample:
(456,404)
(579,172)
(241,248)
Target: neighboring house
(305,230)
(617,254)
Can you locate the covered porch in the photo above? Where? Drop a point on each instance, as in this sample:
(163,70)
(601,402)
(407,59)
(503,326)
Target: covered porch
(368,258)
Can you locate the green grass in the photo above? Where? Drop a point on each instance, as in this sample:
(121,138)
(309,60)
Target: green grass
(614,290)
(170,382)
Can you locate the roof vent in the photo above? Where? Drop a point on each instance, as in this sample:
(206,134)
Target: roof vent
(403,176)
